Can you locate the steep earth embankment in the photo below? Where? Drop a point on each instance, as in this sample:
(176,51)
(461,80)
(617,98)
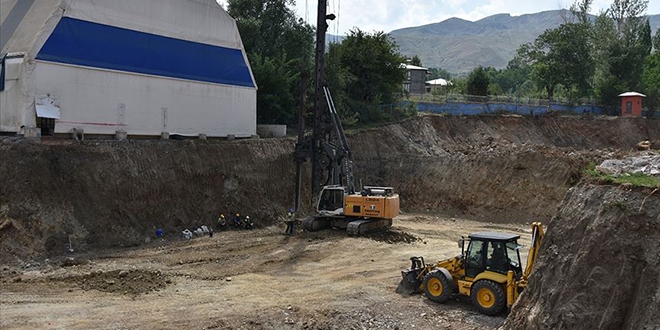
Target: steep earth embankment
(499,169)
(106,194)
(101,194)
(599,266)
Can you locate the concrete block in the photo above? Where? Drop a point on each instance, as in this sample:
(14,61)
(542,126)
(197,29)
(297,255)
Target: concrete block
(164,135)
(121,135)
(32,133)
(78,134)
(202,137)
(271,130)
(231,137)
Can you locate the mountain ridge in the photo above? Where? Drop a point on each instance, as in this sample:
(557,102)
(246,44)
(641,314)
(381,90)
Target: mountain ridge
(458,45)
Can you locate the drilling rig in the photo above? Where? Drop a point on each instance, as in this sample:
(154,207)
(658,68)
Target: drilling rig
(335,198)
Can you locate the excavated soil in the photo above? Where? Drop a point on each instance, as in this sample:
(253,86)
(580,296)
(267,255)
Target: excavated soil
(122,281)
(599,266)
(392,236)
(107,194)
(259,279)
(78,222)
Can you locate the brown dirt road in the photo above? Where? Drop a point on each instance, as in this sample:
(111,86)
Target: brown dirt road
(321,280)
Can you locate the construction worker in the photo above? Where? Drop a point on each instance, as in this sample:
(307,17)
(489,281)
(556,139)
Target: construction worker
(289,222)
(222,222)
(247,222)
(238,222)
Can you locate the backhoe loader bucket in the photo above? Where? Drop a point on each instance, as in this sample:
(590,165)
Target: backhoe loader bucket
(412,277)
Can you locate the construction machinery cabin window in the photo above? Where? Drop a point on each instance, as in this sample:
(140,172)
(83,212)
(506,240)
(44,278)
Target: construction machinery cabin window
(331,200)
(475,258)
(497,259)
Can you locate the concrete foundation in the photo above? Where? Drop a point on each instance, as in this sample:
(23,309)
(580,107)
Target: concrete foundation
(121,135)
(271,130)
(32,133)
(78,134)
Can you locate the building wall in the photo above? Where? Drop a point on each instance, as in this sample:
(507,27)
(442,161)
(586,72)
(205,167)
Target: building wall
(631,106)
(417,81)
(10,115)
(103,101)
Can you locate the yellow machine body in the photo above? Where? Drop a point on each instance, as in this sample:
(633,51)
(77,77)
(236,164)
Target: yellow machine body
(383,207)
(494,290)
(373,208)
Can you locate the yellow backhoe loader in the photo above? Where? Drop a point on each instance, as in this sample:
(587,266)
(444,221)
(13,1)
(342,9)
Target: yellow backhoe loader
(488,271)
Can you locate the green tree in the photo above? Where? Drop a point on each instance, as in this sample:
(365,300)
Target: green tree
(275,102)
(561,56)
(279,45)
(376,75)
(651,81)
(338,78)
(656,39)
(627,13)
(416,61)
(435,73)
(622,42)
(580,9)
(514,76)
(477,82)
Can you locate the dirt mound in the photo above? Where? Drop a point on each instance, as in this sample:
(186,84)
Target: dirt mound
(599,266)
(133,282)
(392,236)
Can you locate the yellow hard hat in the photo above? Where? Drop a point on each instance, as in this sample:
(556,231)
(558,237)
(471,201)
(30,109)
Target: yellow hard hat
(222,215)
(238,215)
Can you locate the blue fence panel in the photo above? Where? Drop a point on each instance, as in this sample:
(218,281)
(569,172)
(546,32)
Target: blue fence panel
(460,108)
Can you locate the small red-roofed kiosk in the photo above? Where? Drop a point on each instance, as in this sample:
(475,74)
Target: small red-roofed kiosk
(631,104)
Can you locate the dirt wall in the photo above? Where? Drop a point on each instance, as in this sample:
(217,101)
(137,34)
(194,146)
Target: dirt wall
(599,266)
(492,168)
(107,193)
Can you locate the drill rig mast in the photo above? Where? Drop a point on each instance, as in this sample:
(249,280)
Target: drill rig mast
(332,180)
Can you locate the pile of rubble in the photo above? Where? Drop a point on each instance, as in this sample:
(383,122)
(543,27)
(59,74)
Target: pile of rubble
(648,164)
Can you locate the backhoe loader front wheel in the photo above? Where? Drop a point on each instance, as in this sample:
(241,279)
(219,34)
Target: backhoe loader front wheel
(437,286)
(488,297)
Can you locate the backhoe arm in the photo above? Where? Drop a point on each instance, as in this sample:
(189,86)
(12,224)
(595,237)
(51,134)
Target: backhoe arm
(537,238)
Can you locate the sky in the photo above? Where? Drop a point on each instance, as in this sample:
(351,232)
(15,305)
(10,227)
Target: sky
(388,15)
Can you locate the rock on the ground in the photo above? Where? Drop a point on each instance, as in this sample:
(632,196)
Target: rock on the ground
(645,164)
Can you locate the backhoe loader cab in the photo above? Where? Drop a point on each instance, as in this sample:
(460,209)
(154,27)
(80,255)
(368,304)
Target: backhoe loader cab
(488,270)
(496,252)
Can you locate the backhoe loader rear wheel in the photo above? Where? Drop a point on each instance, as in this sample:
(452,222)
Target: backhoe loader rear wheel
(437,286)
(488,297)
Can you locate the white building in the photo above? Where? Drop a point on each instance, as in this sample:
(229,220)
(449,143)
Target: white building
(437,84)
(138,66)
